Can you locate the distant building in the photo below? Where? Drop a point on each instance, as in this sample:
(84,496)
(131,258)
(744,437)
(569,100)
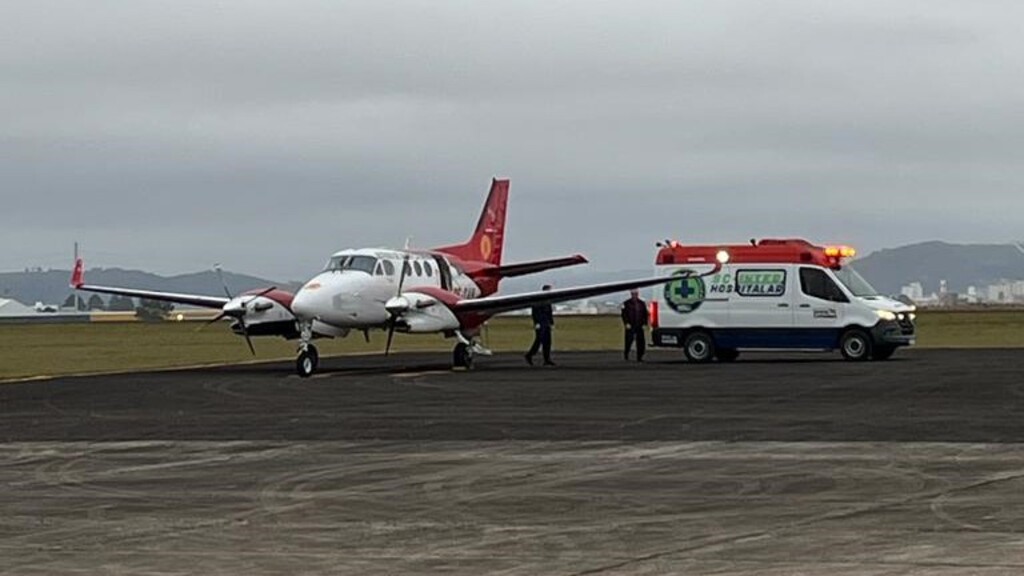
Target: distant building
(914,291)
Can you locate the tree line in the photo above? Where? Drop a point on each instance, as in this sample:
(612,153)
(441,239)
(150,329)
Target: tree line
(152,310)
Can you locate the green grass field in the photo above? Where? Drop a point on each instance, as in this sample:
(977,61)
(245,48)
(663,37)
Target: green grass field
(46,350)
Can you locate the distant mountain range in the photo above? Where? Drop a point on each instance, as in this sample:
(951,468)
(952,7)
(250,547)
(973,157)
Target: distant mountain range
(51,286)
(960,265)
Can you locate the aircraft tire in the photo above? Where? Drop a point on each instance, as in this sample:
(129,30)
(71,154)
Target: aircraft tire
(316,356)
(306,363)
(461,356)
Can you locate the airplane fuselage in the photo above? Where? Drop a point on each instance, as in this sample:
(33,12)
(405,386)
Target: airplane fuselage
(353,289)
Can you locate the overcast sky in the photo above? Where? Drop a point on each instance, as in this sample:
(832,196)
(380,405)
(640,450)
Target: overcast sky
(265,135)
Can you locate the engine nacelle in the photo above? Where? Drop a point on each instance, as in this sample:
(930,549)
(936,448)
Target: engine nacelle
(425,314)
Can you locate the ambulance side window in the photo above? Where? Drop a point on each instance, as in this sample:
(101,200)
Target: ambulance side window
(816,283)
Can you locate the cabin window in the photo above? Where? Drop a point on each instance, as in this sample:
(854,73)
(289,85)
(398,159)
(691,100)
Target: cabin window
(428,269)
(389,268)
(419,269)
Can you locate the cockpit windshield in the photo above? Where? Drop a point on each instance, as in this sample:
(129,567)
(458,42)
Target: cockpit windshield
(855,283)
(345,262)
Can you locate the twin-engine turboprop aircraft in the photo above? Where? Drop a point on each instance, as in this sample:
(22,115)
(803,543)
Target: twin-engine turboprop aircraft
(449,290)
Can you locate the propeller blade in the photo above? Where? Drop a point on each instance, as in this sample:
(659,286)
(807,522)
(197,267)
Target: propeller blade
(216,319)
(260,294)
(401,276)
(391,334)
(220,274)
(245,333)
(392,317)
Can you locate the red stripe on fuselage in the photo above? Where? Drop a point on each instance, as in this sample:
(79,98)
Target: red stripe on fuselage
(282,297)
(466,320)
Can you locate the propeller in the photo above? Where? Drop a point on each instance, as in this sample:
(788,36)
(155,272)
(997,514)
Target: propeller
(396,305)
(236,308)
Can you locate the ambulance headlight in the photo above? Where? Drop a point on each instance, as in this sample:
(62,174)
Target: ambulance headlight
(886,315)
(722,257)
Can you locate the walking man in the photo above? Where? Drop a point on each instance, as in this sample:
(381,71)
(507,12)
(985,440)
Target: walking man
(543,321)
(634,320)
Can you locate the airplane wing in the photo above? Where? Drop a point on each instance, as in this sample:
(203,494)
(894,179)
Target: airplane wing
(78,283)
(499,304)
(524,268)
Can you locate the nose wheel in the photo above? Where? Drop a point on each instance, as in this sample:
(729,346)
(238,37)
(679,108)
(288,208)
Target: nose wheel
(307,362)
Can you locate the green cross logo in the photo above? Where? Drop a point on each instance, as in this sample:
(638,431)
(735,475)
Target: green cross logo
(684,294)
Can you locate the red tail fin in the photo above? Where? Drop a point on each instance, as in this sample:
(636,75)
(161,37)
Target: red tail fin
(488,239)
(78,276)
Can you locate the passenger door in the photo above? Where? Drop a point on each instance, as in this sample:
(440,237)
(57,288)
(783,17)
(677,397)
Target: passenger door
(820,310)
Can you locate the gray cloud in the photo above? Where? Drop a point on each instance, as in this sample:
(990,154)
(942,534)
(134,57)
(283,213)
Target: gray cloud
(266,135)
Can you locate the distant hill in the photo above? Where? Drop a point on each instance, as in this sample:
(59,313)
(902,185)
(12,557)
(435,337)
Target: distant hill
(960,265)
(51,286)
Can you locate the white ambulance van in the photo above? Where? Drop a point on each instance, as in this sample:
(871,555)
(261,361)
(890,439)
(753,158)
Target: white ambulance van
(772,294)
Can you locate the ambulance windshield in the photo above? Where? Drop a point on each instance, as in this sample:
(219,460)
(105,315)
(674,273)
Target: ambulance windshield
(855,283)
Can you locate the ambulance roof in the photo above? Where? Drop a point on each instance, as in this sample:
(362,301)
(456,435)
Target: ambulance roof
(766,251)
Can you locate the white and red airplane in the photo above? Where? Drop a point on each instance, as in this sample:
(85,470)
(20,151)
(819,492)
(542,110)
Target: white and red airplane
(450,290)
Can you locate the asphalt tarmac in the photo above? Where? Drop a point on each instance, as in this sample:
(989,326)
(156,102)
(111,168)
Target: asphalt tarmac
(798,464)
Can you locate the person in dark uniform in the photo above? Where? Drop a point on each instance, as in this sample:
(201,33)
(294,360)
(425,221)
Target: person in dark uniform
(634,320)
(543,321)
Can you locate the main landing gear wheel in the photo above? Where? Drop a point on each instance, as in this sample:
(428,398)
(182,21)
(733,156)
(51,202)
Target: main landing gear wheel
(462,356)
(856,345)
(307,362)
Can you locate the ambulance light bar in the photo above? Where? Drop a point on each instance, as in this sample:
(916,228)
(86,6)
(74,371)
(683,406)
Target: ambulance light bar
(840,252)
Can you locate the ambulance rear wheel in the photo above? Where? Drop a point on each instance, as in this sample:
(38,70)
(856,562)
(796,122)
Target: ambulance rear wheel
(882,352)
(855,345)
(699,347)
(727,354)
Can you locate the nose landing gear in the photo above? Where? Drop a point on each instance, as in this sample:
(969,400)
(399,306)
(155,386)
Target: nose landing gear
(309,358)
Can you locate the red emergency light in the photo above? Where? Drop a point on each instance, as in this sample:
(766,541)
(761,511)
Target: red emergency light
(765,251)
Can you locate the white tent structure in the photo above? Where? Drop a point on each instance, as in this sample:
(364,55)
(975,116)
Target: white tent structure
(14,309)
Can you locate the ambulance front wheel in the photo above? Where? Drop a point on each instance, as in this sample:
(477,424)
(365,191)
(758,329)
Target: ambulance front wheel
(699,347)
(856,345)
